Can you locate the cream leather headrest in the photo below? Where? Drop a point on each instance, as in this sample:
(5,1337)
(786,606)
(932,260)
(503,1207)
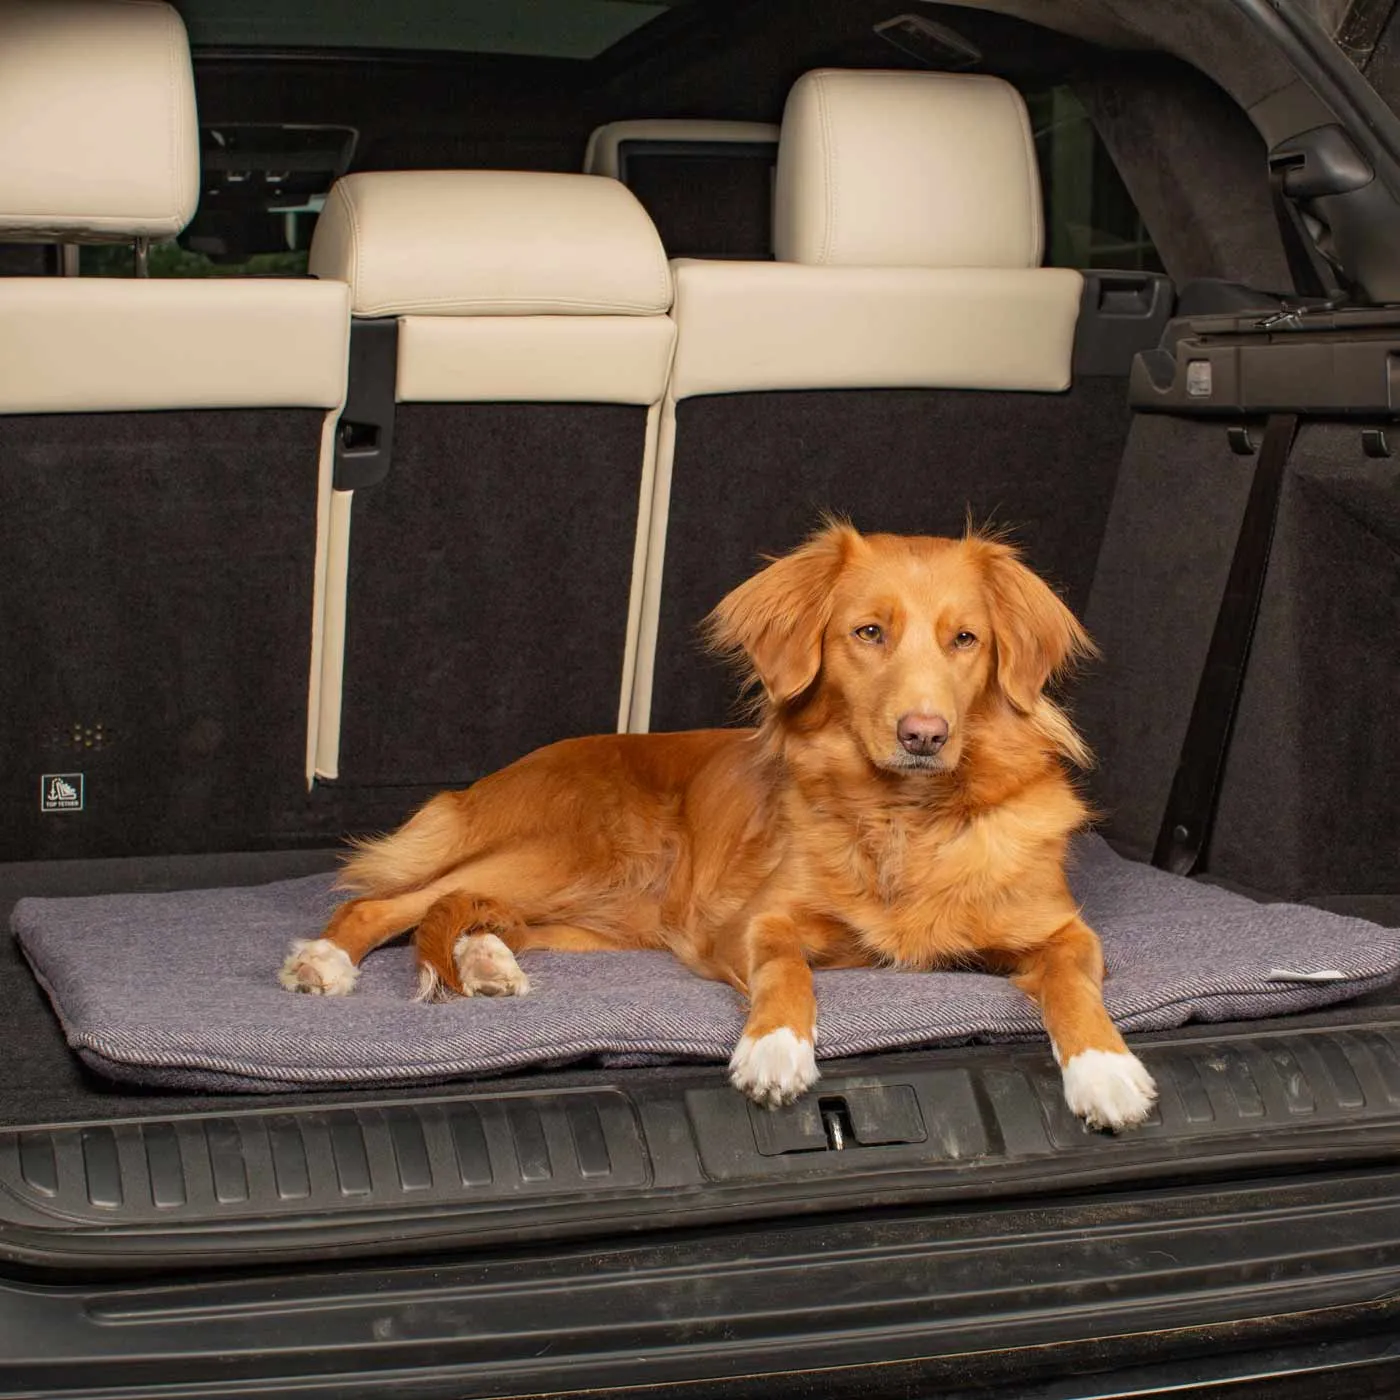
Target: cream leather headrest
(490,243)
(881,169)
(101,141)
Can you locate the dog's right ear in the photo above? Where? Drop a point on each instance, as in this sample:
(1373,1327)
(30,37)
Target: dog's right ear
(776,619)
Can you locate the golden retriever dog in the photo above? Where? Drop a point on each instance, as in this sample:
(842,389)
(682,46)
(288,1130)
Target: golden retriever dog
(903,802)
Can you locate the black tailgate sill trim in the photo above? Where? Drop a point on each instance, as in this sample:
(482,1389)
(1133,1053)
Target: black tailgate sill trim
(934,1301)
(480,1168)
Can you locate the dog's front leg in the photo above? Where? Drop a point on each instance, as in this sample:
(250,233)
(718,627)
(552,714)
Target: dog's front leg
(1105,1083)
(775,1059)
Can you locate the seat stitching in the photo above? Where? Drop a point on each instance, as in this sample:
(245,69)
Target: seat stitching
(1028,170)
(354,237)
(829,174)
(170,23)
(600,308)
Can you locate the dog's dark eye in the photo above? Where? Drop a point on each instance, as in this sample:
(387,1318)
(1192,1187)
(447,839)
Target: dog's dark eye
(964,640)
(871,632)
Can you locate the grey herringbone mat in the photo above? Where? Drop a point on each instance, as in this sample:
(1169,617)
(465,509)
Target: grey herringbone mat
(180,989)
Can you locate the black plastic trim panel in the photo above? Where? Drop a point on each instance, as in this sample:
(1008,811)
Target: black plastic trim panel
(1340,364)
(1120,315)
(1296,33)
(439,1173)
(1033,1300)
(364,434)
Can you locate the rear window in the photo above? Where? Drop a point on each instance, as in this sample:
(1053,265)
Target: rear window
(1090,218)
(262,186)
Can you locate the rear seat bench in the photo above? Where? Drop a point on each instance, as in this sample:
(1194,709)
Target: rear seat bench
(906,359)
(481,598)
(164,471)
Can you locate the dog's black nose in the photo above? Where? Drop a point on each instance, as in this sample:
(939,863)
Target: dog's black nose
(922,734)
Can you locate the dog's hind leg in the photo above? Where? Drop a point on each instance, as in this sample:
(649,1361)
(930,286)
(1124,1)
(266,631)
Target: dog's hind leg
(466,944)
(329,965)
(463,946)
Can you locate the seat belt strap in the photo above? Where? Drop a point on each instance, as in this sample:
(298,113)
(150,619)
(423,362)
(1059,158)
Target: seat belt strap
(1195,791)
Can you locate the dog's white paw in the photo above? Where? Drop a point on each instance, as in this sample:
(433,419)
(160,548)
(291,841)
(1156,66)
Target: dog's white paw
(318,966)
(1109,1089)
(487,968)
(775,1068)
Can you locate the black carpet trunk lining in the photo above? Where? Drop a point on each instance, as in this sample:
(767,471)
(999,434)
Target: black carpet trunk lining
(488,588)
(156,571)
(1309,806)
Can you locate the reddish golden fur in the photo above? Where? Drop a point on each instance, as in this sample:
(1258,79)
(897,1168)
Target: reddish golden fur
(812,840)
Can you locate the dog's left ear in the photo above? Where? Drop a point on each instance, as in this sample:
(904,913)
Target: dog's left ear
(1036,634)
(776,619)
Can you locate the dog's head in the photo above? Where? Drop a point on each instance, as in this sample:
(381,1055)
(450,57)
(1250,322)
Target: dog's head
(901,641)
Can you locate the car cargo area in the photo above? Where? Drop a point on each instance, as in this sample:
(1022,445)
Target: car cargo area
(297,530)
